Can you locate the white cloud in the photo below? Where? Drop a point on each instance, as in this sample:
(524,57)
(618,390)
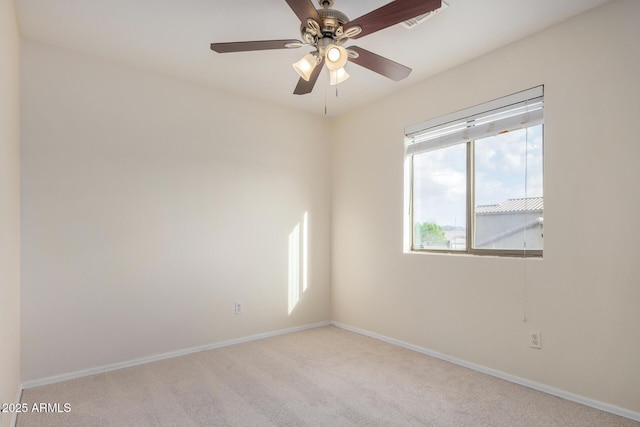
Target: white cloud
(440,186)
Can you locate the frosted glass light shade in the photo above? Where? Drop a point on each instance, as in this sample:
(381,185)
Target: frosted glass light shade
(336,57)
(305,66)
(337,76)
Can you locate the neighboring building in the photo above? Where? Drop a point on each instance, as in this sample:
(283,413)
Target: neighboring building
(456,238)
(508,224)
(500,226)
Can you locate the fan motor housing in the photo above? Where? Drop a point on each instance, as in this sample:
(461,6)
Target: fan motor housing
(332,18)
(331,25)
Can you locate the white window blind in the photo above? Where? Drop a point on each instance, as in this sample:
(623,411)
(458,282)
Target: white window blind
(517,111)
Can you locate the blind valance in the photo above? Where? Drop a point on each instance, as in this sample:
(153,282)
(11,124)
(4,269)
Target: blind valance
(514,112)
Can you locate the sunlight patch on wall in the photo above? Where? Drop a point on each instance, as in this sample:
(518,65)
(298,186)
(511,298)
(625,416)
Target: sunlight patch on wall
(294,267)
(298,261)
(305,252)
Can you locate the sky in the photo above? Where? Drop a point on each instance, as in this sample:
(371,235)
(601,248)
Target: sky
(501,173)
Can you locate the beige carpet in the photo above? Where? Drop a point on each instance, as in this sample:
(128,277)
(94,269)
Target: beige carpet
(319,377)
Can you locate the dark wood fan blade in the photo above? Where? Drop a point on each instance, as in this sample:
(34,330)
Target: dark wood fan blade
(304,9)
(247,46)
(391,14)
(379,64)
(303,87)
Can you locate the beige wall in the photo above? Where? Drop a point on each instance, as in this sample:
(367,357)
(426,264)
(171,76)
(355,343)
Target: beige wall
(151,205)
(9,205)
(584,296)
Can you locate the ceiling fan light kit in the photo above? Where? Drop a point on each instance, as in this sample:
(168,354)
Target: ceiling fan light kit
(327,29)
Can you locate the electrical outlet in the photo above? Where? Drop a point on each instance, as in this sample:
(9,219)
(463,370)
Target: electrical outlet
(238,308)
(534,339)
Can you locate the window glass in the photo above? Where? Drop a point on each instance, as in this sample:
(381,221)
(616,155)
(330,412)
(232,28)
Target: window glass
(508,190)
(440,194)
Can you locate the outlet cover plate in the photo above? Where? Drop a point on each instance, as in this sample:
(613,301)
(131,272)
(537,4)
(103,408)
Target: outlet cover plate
(534,339)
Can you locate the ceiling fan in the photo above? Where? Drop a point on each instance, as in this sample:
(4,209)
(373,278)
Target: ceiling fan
(327,29)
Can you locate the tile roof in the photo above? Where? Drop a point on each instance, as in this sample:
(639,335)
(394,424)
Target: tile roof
(513,205)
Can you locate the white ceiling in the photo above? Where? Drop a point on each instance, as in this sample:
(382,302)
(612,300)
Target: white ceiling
(173,36)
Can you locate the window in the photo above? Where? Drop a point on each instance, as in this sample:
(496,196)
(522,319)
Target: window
(474,179)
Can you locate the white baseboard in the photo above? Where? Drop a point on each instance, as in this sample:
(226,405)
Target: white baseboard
(495,373)
(154,358)
(479,368)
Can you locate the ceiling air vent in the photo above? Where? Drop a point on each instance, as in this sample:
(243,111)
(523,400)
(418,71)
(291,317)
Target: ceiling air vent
(409,24)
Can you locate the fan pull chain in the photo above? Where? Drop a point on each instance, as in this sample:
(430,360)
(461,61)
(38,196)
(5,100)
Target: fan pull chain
(325,101)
